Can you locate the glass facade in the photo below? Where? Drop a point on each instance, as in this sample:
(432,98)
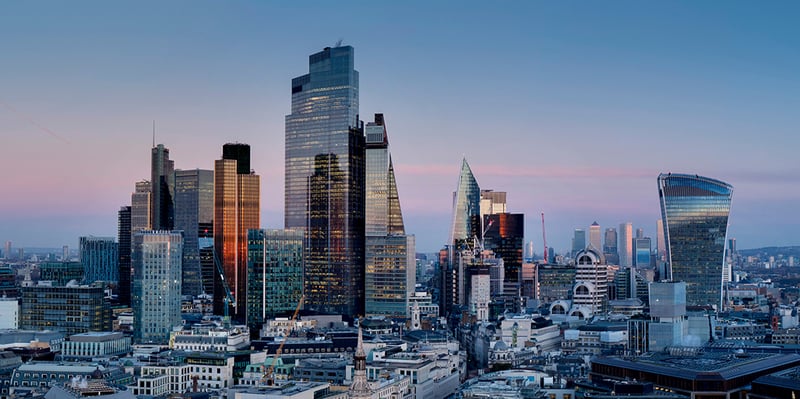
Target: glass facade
(695,212)
(643,249)
(157,258)
(71,310)
(194,206)
(237,209)
(625,245)
(140,207)
(275,274)
(61,273)
(324,181)
(466,207)
(99,256)
(161,176)
(124,257)
(505,236)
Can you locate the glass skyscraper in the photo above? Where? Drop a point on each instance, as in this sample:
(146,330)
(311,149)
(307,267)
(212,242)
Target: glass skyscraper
(390,263)
(324,183)
(275,274)
(163,186)
(99,256)
(156,258)
(695,212)
(194,207)
(124,255)
(237,209)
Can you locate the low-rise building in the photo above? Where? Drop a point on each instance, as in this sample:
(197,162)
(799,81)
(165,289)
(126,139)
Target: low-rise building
(95,344)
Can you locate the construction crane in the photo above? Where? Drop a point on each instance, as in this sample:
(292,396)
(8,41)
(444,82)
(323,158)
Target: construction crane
(544,239)
(269,373)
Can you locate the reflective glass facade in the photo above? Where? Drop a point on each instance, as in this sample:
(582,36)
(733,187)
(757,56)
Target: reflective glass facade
(466,206)
(99,258)
(124,257)
(161,176)
(237,209)
(156,297)
(275,274)
(695,212)
(140,207)
(194,207)
(324,182)
(71,310)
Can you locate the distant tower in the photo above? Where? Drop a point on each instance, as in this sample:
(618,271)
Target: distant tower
(610,246)
(661,243)
(625,245)
(140,207)
(578,241)
(360,389)
(7,251)
(194,210)
(65,253)
(124,255)
(156,258)
(237,208)
(695,211)
(642,247)
(163,186)
(99,256)
(594,236)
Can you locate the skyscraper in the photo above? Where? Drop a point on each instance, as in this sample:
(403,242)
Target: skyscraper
(156,290)
(99,256)
(661,243)
(324,183)
(237,208)
(7,251)
(642,247)
(163,188)
(275,274)
(578,241)
(465,225)
(695,211)
(594,236)
(140,207)
(194,207)
(389,256)
(610,246)
(625,245)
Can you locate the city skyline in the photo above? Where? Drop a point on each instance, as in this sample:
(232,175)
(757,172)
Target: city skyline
(647,89)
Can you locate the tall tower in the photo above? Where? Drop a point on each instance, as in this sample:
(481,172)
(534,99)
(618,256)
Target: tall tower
(625,245)
(140,207)
(194,210)
(124,257)
(661,243)
(99,258)
(695,211)
(275,274)
(156,294)
(324,184)
(594,236)
(390,262)
(163,186)
(237,208)
(578,241)
(610,246)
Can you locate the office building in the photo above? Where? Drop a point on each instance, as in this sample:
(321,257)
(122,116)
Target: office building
(504,235)
(642,247)
(625,244)
(124,255)
(555,282)
(90,345)
(493,202)
(590,293)
(695,211)
(8,282)
(194,206)
(65,253)
(99,256)
(275,274)
(61,273)
(594,236)
(70,309)
(578,241)
(389,256)
(324,184)
(7,251)
(157,257)
(661,243)
(237,209)
(610,246)
(140,207)
(163,188)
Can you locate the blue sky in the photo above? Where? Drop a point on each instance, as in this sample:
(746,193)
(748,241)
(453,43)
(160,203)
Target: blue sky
(573,108)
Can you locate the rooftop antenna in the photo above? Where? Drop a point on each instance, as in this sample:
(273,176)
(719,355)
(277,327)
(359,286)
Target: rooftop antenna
(339,43)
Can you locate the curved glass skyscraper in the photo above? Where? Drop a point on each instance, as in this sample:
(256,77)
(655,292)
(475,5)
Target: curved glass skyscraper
(695,211)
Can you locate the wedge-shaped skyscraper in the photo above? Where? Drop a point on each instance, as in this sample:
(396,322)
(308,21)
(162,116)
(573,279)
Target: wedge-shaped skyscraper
(695,211)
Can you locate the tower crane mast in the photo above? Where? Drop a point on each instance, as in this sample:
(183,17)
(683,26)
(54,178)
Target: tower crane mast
(544,239)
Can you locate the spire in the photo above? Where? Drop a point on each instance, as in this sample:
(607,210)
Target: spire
(395,214)
(360,387)
(466,204)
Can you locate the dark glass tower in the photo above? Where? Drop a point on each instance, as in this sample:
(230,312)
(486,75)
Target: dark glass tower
(194,211)
(161,207)
(695,211)
(324,192)
(124,258)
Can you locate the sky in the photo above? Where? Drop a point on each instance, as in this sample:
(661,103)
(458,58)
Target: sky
(572,108)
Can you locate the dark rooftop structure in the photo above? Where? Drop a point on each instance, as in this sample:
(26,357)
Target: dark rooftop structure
(715,375)
(783,384)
